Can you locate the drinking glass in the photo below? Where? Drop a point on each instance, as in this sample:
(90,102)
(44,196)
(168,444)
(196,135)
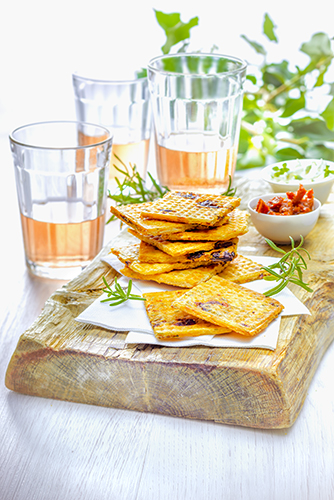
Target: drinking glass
(124,108)
(197,103)
(62,192)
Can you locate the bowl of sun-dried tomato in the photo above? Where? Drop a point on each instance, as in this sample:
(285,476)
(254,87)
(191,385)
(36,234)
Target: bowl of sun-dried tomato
(281,215)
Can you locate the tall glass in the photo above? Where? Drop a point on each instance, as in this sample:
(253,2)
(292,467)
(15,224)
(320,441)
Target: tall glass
(123,107)
(197,104)
(62,192)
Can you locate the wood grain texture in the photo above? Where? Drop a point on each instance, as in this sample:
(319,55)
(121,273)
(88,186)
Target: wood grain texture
(60,358)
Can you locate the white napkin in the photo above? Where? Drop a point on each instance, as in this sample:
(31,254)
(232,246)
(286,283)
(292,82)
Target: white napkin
(131,315)
(265,340)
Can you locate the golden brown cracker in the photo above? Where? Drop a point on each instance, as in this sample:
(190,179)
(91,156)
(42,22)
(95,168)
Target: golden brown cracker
(237,224)
(226,253)
(131,215)
(176,248)
(184,278)
(191,208)
(158,268)
(170,323)
(243,270)
(229,304)
(127,252)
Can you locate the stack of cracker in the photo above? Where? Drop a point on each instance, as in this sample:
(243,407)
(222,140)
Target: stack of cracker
(184,239)
(190,240)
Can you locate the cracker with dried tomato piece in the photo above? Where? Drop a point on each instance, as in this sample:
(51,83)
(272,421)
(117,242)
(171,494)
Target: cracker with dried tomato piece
(226,253)
(131,215)
(149,269)
(229,304)
(170,323)
(237,224)
(147,260)
(243,270)
(191,208)
(184,278)
(175,248)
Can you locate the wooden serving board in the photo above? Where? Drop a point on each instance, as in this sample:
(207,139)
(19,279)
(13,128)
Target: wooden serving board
(59,358)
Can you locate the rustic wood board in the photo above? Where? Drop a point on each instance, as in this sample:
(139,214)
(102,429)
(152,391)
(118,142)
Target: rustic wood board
(60,358)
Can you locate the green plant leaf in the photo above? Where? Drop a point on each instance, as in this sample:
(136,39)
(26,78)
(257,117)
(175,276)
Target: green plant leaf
(175,30)
(314,128)
(268,28)
(255,45)
(277,73)
(142,73)
(244,140)
(293,105)
(320,151)
(288,154)
(318,47)
(328,115)
(252,78)
(252,158)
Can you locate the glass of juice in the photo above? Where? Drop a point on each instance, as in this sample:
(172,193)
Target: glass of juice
(62,191)
(197,103)
(123,106)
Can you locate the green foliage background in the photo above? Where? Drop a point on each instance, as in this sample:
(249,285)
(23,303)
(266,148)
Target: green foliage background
(277,123)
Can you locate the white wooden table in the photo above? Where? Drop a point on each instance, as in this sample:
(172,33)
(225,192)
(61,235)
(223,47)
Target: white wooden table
(54,450)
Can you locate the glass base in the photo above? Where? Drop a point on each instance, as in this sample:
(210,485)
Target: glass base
(55,273)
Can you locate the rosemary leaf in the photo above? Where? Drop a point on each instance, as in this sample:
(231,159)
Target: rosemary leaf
(120,294)
(289,269)
(230,191)
(133,188)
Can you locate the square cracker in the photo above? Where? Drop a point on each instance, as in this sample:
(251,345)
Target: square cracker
(229,304)
(149,269)
(149,260)
(243,270)
(126,252)
(170,323)
(184,278)
(191,208)
(131,215)
(236,225)
(175,248)
(226,253)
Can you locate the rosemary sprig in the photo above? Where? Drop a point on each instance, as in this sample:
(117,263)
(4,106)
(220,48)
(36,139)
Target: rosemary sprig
(230,191)
(289,269)
(133,188)
(119,295)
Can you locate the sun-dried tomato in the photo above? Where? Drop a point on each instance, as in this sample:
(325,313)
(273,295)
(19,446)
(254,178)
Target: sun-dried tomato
(300,202)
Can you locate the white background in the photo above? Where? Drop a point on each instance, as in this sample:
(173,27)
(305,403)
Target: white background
(42,43)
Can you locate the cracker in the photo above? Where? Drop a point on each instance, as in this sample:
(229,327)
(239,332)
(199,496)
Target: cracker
(227,252)
(191,208)
(158,268)
(170,323)
(177,248)
(147,260)
(187,278)
(237,224)
(131,215)
(243,270)
(229,304)
(126,252)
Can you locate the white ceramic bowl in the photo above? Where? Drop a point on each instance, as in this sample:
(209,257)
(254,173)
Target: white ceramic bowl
(278,228)
(321,187)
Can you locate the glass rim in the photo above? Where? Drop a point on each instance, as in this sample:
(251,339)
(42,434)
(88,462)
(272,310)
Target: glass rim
(242,62)
(60,148)
(109,81)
